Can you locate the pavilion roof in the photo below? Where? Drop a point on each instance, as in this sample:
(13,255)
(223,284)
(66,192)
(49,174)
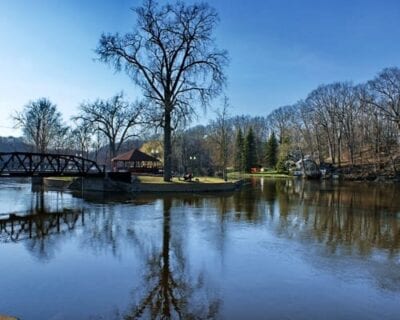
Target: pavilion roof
(135,155)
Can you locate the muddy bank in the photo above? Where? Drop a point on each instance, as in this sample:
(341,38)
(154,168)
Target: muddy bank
(364,173)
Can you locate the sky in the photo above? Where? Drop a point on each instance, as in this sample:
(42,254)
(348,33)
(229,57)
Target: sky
(280,50)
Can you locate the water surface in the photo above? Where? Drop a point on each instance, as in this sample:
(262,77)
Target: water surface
(274,250)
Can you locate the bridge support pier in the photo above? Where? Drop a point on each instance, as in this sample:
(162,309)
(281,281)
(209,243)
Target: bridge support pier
(37,181)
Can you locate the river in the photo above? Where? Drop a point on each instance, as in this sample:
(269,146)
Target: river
(277,249)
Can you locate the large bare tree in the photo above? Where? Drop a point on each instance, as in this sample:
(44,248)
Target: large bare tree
(171,55)
(115,118)
(41,124)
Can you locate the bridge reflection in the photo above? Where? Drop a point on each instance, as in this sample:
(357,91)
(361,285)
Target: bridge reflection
(39,224)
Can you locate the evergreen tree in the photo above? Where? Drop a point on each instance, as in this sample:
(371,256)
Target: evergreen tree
(239,151)
(250,152)
(271,152)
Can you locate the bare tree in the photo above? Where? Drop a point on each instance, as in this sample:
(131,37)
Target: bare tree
(385,94)
(280,121)
(81,137)
(322,104)
(171,55)
(221,134)
(41,124)
(347,110)
(115,118)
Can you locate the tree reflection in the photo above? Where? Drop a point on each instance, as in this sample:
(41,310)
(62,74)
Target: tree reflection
(359,216)
(353,215)
(170,292)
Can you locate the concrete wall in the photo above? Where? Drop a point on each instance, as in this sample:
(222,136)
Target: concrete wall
(101,185)
(186,187)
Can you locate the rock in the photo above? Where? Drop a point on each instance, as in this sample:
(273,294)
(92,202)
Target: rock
(309,168)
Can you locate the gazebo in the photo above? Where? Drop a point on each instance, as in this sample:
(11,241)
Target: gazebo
(136,161)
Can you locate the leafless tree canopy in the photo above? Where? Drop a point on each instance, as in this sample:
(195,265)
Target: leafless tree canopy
(171,55)
(385,94)
(220,136)
(115,118)
(41,124)
(81,137)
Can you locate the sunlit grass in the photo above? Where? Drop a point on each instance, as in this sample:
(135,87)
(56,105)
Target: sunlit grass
(61,178)
(266,174)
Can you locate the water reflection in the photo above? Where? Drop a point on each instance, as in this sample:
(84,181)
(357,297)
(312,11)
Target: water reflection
(360,216)
(169,290)
(171,252)
(39,227)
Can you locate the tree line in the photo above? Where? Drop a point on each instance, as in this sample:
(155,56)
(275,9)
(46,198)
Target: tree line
(339,123)
(345,124)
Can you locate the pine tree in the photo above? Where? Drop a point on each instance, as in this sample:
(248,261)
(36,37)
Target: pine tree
(250,152)
(239,151)
(271,152)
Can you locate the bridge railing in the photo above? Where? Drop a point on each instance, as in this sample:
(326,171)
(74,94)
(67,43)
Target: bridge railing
(47,164)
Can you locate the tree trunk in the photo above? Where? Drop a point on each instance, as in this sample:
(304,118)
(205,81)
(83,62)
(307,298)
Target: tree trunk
(331,149)
(320,159)
(167,146)
(339,151)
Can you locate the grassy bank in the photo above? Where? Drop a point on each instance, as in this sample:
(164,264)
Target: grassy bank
(58,178)
(266,174)
(159,179)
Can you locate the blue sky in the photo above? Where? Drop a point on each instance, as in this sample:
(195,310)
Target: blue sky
(279,50)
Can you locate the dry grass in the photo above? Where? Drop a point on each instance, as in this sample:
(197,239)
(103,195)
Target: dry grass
(265,174)
(60,178)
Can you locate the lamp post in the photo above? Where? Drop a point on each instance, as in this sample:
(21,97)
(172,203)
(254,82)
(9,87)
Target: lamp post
(154,153)
(192,159)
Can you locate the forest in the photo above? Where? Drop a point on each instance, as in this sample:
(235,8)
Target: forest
(341,124)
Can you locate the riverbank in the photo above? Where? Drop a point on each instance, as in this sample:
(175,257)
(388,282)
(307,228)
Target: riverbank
(154,184)
(348,173)
(7,318)
(357,174)
(58,182)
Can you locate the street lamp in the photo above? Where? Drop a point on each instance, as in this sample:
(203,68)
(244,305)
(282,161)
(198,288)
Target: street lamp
(192,159)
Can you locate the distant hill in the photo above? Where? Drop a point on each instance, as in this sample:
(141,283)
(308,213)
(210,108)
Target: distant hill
(8,144)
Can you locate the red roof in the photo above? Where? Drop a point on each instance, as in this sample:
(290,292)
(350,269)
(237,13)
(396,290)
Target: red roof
(135,155)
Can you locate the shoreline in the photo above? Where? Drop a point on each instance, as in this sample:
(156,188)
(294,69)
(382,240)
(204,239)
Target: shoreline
(137,187)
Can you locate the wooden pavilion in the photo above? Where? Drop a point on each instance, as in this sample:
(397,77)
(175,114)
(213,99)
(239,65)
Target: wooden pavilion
(136,161)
